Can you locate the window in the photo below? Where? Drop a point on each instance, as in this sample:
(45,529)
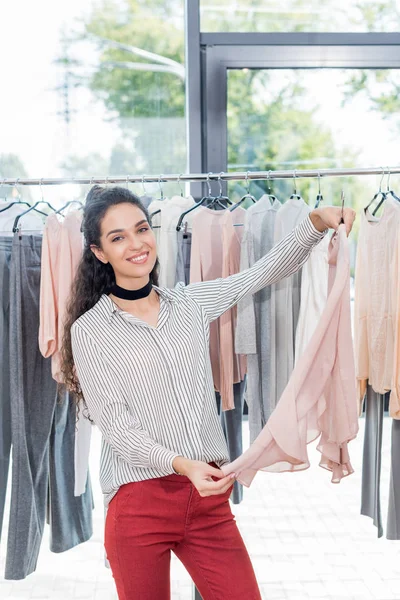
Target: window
(80,97)
(300,15)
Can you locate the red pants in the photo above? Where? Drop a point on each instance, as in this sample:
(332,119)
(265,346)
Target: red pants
(148,519)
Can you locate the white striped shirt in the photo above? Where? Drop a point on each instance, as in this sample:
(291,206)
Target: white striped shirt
(150,389)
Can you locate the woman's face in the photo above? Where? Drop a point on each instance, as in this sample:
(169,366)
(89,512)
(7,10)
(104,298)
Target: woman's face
(128,244)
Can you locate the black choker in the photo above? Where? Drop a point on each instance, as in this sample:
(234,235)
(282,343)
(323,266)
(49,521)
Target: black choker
(120,292)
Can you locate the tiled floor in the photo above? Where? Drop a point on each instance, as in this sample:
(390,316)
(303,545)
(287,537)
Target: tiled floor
(305,535)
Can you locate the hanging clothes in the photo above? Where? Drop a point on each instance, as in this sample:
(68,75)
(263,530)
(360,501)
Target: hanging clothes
(33,221)
(320,398)
(171,210)
(61,253)
(43,446)
(285,304)
(376,307)
(184,241)
(313,295)
(253,330)
(372,459)
(5,391)
(206,263)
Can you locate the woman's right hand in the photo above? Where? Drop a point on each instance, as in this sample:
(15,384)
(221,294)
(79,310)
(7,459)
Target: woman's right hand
(200,474)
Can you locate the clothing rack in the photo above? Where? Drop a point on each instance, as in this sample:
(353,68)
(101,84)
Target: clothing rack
(230,176)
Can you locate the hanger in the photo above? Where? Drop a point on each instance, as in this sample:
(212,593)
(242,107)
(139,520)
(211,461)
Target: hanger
(220,199)
(246,196)
(388,190)
(342,197)
(271,196)
(60,210)
(200,203)
(33,207)
(320,197)
(19,201)
(179,183)
(295,195)
(379,193)
(216,201)
(156,212)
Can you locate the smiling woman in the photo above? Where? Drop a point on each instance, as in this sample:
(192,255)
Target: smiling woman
(120,251)
(139,356)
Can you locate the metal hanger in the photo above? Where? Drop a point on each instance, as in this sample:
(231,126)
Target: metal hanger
(342,198)
(320,197)
(295,195)
(221,200)
(33,207)
(388,190)
(19,201)
(246,196)
(271,196)
(161,198)
(60,210)
(379,193)
(200,203)
(216,201)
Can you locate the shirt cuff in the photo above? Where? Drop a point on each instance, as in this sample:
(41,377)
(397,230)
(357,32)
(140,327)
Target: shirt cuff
(161,459)
(307,235)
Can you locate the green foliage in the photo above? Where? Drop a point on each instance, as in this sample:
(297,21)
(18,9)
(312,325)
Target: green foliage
(12,166)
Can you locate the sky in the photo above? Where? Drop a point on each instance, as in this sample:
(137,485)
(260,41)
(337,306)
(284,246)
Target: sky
(32,129)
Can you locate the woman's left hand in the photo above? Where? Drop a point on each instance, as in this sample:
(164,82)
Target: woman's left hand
(330,217)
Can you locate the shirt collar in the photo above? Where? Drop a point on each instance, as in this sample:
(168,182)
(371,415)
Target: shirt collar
(111,309)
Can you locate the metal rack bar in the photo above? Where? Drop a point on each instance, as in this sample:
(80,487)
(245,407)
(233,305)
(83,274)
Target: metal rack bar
(230,176)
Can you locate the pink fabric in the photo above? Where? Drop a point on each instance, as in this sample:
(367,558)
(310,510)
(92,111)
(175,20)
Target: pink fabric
(49,286)
(207,263)
(61,253)
(320,398)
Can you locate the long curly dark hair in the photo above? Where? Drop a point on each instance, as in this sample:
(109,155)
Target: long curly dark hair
(93,278)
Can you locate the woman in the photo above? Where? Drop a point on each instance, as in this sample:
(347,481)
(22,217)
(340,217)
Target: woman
(138,356)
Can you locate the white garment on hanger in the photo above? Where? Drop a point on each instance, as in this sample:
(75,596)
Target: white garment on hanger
(33,221)
(314,290)
(171,210)
(285,303)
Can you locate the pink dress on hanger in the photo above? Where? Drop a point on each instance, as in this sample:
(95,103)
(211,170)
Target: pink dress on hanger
(320,398)
(211,237)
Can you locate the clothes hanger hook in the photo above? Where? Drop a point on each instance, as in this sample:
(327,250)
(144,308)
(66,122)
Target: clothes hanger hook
(388,180)
(294,182)
(209,183)
(342,197)
(161,190)
(247,183)
(17,190)
(220,183)
(319,184)
(127,182)
(41,188)
(269,182)
(179,183)
(144,189)
(380,183)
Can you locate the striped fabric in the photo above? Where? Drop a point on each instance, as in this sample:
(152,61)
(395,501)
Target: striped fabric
(150,389)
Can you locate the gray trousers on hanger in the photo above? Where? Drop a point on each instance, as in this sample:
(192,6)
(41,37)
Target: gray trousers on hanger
(231,421)
(70,516)
(393,520)
(5,403)
(37,427)
(183,257)
(372,455)
(371,469)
